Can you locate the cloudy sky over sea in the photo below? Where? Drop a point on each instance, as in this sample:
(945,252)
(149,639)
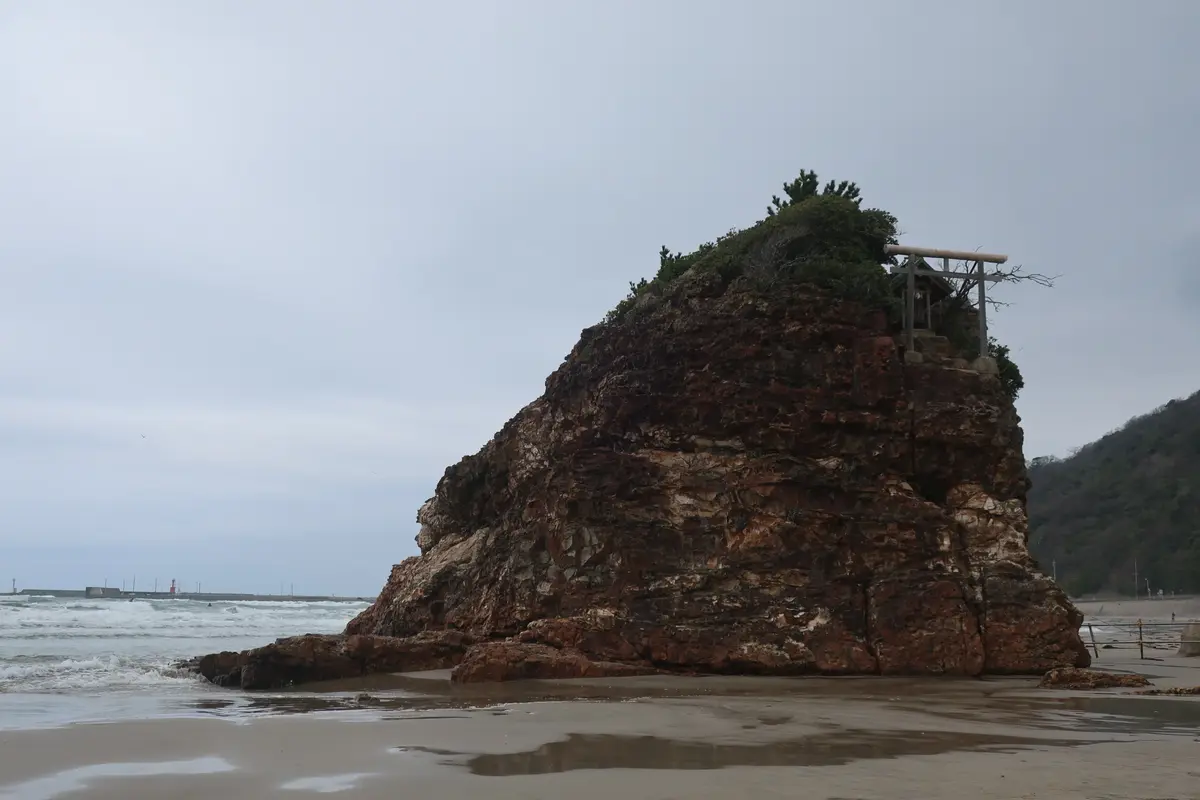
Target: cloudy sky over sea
(267,267)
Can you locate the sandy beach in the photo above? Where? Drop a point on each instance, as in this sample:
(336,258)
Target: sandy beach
(633,738)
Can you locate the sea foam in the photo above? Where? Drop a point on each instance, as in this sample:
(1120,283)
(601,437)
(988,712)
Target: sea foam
(50,645)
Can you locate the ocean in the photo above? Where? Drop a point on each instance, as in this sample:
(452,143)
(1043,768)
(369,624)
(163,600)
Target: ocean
(67,660)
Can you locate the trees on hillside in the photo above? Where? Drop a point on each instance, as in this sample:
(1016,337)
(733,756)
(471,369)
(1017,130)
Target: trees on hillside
(1133,494)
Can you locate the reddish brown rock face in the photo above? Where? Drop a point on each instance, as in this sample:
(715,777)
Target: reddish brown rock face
(509,660)
(729,481)
(734,481)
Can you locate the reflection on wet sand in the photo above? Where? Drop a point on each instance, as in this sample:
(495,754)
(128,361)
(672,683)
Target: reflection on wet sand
(326,784)
(81,778)
(703,738)
(584,751)
(423,696)
(1169,716)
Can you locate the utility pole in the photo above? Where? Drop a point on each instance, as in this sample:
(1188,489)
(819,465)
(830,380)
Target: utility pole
(1137,590)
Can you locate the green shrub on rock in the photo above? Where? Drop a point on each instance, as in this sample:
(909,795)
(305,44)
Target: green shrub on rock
(821,236)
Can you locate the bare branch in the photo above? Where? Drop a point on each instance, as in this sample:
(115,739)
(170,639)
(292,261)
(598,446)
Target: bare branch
(1008,274)
(1016,274)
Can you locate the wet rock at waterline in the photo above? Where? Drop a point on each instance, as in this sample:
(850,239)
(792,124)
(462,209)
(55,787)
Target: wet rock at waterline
(1087,679)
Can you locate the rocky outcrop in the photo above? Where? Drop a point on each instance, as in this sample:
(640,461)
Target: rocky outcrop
(737,480)
(1087,679)
(509,660)
(304,659)
(1175,691)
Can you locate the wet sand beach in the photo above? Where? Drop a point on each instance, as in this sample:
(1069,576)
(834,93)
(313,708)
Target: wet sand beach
(637,738)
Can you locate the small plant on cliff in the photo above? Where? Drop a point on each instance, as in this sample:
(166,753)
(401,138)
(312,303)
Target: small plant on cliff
(816,235)
(1010,373)
(962,331)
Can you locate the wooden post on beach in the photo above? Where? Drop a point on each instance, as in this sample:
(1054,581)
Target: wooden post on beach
(1141,648)
(1092,633)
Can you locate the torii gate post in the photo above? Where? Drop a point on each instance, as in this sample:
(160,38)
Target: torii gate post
(979,275)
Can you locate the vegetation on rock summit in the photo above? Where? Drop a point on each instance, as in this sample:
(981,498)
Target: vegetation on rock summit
(817,235)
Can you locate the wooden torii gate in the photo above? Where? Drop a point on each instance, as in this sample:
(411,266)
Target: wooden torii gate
(978,275)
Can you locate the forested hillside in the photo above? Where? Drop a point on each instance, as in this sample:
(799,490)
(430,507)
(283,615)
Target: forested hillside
(1133,494)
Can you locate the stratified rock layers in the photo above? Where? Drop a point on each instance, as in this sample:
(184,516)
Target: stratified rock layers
(735,480)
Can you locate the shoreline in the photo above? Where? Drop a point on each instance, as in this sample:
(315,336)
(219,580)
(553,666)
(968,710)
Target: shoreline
(1133,623)
(865,737)
(107,593)
(860,737)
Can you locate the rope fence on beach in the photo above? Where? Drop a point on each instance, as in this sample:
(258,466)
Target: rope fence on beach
(1142,635)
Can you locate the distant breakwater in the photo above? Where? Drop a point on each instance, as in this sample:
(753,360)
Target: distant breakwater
(105,593)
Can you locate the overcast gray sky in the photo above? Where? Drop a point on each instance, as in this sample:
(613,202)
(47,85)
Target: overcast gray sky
(267,268)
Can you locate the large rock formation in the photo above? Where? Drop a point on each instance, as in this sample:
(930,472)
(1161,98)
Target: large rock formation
(738,480)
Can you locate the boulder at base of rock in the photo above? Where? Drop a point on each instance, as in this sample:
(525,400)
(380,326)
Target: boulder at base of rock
(1189,644)
(1070,678)
(506,661)
(1177,691)
(304,659)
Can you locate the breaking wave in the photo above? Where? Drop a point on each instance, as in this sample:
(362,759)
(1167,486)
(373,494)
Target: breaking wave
(51,674)
(51,645)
